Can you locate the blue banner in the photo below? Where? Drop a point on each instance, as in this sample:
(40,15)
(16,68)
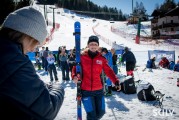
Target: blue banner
(31,56)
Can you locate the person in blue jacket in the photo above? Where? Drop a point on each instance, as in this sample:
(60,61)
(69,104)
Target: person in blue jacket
(23,95)
(176,67)
(108,56)
(151,64)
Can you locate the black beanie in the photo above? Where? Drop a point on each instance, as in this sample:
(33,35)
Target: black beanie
(93,39)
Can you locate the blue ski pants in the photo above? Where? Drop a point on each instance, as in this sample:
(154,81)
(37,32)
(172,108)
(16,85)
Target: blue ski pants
(94,104)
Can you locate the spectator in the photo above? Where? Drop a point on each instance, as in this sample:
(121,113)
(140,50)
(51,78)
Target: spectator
(58,60)
(171,65)
(108,56)
(176,67)
(114,60)
(23,95)
(71,60)
(38,61)
(64,65)
(51,67)
(178,59)
(150,64)
(130,60)
(42,58)
(164,63)
(45,55)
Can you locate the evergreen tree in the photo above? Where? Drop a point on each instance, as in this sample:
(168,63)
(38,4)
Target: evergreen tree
(157,7)
(139,9)
(168,5)
(8,6)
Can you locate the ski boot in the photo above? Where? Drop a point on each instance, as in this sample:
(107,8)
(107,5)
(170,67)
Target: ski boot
(109,92)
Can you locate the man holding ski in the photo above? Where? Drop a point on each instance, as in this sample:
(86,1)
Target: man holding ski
(92,64)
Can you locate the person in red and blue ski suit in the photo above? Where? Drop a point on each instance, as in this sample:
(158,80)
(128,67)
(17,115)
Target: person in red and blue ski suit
(92,64)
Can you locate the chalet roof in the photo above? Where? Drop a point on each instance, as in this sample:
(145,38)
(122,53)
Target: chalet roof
(47,2)
(157,13)
(173,12)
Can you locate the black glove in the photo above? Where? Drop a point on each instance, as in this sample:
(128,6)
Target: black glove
(117,83)
(117,86)
(49,86)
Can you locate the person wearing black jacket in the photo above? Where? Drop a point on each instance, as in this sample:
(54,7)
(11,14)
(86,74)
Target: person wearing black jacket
(130,59)
(23,95)
(114,60)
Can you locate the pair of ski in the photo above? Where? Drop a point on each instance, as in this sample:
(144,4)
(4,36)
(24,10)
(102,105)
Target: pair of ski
(77,34)
(105,86)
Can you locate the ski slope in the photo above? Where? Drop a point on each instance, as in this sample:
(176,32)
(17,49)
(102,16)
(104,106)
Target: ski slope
(120,106)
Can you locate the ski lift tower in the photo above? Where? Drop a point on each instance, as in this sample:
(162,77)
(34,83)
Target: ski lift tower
(137,40)
(53,16)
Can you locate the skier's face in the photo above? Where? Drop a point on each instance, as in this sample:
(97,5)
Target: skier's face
(29,44)
(93,46)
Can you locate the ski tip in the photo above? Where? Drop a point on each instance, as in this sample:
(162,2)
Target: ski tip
(77,23)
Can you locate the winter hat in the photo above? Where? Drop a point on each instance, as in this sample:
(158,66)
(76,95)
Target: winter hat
(93,39)
(29,21)
(126,49)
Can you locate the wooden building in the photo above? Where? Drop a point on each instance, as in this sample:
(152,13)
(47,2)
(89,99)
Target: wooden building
(165,24)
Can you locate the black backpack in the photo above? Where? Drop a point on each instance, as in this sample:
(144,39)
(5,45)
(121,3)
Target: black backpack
(128,85)
(145,91)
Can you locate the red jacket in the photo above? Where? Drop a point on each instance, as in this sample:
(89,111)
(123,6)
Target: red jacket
(91,71)
(164,63)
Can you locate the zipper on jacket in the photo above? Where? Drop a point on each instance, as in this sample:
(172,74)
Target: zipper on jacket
(92,74)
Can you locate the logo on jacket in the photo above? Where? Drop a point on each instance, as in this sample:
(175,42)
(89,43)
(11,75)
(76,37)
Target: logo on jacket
(99,62)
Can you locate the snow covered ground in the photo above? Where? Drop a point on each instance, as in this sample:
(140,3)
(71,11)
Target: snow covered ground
(120,106)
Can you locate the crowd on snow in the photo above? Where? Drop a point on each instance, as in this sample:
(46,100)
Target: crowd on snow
(164,63)
(64,60)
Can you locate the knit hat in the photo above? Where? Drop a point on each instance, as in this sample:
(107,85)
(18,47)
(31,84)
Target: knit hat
(126,49)
(93,39)
(29,21)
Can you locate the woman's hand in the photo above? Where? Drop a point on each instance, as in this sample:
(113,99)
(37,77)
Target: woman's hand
(75,79)
(117,85)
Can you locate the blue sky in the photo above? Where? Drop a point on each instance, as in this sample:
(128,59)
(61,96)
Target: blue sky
(126,5)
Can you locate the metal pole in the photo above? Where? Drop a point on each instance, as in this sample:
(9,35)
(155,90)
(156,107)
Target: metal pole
(138,32)
(132,6)
(44,12)
(53,18)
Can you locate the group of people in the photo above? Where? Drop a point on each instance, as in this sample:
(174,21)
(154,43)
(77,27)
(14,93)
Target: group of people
(164,63)
(48,61)
(65,61)
(45,59)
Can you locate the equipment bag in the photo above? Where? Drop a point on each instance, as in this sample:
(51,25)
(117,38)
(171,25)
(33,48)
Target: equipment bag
(145,91)
(128,85)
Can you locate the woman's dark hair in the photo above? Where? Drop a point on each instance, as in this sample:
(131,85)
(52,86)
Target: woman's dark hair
(104,50)
(12,35)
